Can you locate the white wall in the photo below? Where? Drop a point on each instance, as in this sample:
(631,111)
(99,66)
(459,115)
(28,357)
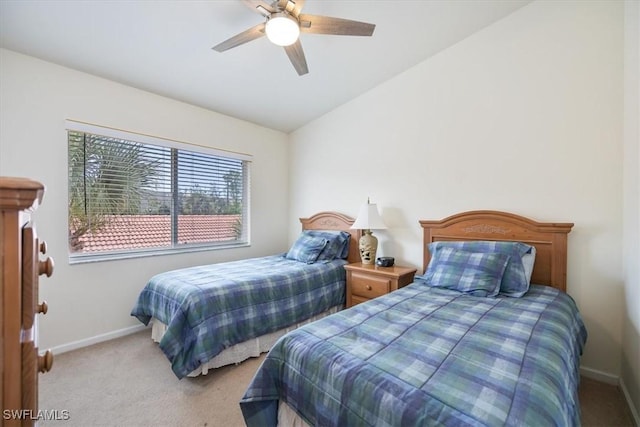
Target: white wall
(88,300)
(524,116)
(630,372)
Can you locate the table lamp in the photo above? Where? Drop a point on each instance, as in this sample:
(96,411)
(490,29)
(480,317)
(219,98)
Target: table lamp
(368,219)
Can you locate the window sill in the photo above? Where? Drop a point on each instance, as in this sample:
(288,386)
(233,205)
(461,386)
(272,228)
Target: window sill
(89,258)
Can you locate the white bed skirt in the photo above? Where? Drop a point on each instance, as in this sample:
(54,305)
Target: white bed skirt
(287,417)
(242,351)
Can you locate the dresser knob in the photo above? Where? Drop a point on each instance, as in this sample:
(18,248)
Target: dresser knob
(43,247)
(45,361)
(368,287)
(42,308)
(46,267)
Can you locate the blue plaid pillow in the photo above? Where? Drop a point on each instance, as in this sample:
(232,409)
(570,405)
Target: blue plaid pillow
(337,243)
(514,282)
(306,248)
(474,273)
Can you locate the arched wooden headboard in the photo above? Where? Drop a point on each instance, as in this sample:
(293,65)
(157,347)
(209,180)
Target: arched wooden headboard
(335,221)
(549,239)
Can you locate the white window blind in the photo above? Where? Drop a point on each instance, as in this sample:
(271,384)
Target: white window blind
(133,195)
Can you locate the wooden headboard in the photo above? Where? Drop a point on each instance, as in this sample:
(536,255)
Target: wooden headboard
(549,239)
(335,221)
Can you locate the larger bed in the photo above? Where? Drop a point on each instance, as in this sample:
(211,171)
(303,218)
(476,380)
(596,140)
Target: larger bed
(430,354)
(208,316)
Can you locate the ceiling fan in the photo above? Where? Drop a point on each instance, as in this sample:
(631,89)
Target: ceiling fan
(284,23)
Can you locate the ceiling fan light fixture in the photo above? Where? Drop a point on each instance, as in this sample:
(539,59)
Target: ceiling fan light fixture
(282,29)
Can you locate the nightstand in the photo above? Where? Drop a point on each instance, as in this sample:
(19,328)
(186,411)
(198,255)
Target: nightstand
(367,281)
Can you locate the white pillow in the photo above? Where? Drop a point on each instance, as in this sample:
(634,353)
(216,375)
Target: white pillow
(528,260)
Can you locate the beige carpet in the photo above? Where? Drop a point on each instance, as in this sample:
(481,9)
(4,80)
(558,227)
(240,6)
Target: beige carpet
(128,382)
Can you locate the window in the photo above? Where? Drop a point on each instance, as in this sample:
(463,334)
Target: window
(134,195)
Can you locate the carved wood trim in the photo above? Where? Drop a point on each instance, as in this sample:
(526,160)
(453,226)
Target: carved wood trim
(486,228)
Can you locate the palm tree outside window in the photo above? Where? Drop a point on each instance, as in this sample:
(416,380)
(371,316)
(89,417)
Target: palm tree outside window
(132,198)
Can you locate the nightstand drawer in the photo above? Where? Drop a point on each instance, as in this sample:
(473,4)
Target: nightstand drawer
(368,281)
(369,286)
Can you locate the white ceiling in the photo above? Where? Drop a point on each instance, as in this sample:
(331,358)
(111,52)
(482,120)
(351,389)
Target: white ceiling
(164,47)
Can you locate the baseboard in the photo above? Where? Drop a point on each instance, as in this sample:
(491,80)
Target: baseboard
(97,339)
(632,408)
(603,377)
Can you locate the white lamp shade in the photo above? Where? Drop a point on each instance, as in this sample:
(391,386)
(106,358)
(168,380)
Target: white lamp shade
(282,29)
(369,218)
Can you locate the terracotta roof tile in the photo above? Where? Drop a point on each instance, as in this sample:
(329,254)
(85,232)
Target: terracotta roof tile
(154,231)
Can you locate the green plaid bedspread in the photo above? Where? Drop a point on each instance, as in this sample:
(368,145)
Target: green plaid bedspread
(424,356)
(212,307)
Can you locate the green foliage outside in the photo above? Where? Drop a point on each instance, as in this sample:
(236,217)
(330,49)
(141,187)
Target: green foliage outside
(109,177)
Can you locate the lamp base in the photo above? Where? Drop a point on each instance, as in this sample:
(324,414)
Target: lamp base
(368,247)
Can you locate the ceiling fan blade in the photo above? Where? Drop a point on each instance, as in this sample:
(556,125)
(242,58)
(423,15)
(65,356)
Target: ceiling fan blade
(256,4)
(298,8)
(316,24)
(242,38)
(292,6)
(296,56)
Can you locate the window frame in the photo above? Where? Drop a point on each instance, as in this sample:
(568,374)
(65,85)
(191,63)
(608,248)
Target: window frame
(77,258)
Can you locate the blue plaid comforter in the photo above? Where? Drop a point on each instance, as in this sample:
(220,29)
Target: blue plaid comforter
(209,308)
(424,356)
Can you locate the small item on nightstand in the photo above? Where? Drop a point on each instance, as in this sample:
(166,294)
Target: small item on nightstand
(385,261)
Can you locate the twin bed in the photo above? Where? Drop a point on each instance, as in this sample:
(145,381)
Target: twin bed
(443,350)
(213,315)
(462,345)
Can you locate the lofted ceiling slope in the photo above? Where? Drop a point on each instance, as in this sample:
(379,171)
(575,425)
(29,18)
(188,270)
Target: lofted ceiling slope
(165,47)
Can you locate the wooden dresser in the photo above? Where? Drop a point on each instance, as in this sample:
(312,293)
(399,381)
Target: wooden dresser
(19,304)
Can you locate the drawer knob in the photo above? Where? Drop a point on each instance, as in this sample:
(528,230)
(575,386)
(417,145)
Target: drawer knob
(368,287)
(43,247)
(42,308)
(45,361)
(46,267)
